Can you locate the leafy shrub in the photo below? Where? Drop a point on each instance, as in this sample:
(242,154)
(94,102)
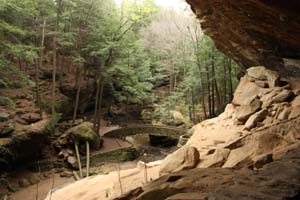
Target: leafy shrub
(3,84)
(11,77)
(7,102)
(50,126)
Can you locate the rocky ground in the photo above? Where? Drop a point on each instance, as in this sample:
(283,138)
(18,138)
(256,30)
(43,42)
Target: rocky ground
(252,143)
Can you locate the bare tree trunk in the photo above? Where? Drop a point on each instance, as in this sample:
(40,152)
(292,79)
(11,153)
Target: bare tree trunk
(20,63)
(77,94)
(54,56)
(208,90)
(96,103)
(230,80)
(87,158)
(225,82)
(218,97)
(213,80)
(78,159)
(39,66)
(100,104)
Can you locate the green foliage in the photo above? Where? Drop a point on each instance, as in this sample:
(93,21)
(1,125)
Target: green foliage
(52,123)
(7,102)
(3,84)
(12,77)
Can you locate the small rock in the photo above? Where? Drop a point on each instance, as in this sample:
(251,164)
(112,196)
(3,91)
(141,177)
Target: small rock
(34,179)
(72,161)
(295,112)
(267,99)
(187,157)
(283,96)
(13,187)
(31,117)
(66,174)
(255,118)
(63,154)
(6,129)
(59,170)
(262,84)
(284,113)
(296,101)
(4,116)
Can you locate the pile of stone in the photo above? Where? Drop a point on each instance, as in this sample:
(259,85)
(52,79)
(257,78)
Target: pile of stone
(267,109)
(262,98)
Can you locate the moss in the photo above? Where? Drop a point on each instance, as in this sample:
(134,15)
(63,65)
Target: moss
(120,155)
(7,102)
(5,141)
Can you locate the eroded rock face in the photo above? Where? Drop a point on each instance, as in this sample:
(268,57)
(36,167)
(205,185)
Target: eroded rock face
(254,32)
(272,181)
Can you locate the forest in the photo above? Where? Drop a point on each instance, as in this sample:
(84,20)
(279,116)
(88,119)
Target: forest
(74,71)
(127,51)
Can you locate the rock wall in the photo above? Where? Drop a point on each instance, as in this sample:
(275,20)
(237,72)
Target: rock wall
(254,32)
(262,123)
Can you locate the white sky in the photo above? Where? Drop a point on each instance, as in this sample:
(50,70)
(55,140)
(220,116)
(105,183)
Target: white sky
(176,4)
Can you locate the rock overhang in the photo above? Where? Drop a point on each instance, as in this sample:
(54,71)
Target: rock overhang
(254,33)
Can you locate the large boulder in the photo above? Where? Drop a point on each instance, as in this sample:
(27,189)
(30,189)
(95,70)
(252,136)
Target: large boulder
(80,133)
(246,92)
(177,119)
(261,73)
(239,157)
(31,117)
(245,111)
(187,157)
(217,159)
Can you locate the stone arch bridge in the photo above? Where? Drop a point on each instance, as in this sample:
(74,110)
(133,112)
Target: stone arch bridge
(157,130)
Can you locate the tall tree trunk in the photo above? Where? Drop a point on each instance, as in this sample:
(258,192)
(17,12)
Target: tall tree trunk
(55,55)
(37,87)
(208,89)
(218,97)
(230,80)
(100,104)
(225,82)
(78,159)
(39,66)
(78,78)
(213,80)
(20,63)
(87,158)
(97,102)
